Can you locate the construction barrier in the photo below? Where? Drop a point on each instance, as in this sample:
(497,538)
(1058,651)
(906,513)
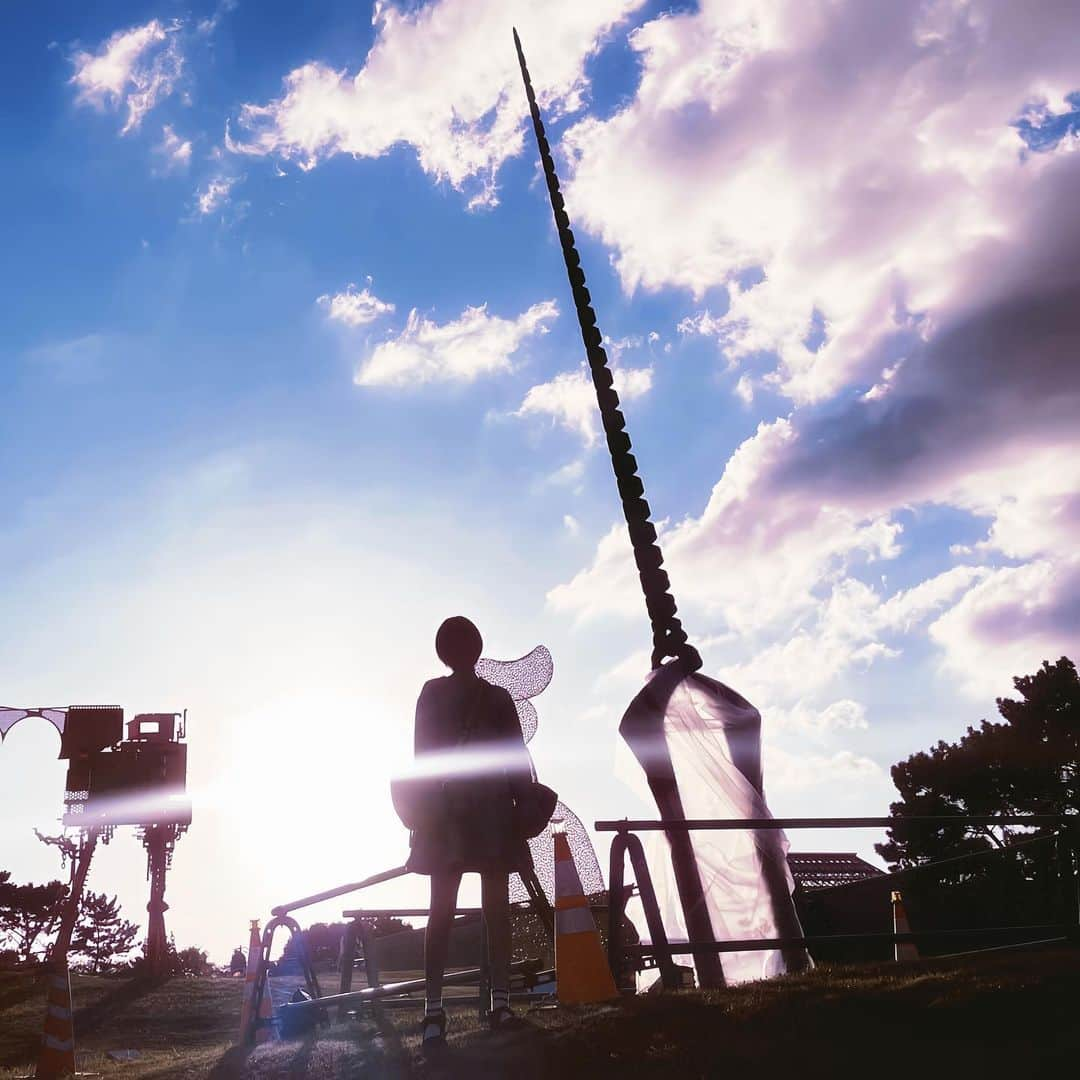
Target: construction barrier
(57,1056)
(581,969)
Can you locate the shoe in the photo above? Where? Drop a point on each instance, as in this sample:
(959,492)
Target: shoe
(433,1043)
(505,1019)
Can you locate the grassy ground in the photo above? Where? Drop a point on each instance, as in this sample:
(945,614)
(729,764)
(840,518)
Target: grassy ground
(1009,1015)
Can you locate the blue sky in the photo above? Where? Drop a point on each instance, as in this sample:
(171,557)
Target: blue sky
(290,373)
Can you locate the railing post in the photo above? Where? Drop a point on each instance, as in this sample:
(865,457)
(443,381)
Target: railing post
(371,960)
(485,969)
(346,961)
(616,907)
(660,946)
(1066,860)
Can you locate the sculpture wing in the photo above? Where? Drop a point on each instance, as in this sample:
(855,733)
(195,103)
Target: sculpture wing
(523,678)
(10,717)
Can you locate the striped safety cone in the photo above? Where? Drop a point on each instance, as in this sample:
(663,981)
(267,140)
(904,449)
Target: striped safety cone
(264,1028)
(57,1057)
(254,958)
(903,951)
(582,974)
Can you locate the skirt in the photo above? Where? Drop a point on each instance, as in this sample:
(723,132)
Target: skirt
(473,833)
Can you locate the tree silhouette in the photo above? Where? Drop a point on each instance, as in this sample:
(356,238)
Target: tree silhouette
(1030,764)
(29,912)
(102,935)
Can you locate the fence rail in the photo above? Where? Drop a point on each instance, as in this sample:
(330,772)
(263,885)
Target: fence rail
(709,824)
(626,843)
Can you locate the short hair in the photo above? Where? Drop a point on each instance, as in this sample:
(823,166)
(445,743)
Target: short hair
(458,643)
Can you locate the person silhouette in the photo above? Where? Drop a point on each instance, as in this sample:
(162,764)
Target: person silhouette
(468,742)
(237,963)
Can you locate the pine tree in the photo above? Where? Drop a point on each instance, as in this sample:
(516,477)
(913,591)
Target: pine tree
(102,935)
(1030,764)
(28,912)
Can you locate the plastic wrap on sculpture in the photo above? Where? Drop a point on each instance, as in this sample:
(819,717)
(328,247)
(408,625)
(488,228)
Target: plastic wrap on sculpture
(525,678)
(699,743)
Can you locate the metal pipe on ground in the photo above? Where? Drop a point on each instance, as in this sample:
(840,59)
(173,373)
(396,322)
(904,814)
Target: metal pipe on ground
(376,993)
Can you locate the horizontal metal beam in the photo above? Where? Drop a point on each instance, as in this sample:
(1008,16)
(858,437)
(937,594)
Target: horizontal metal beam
(423,912)
(683,948)
(400,913)
(374,993)
(318,898)
(706,824)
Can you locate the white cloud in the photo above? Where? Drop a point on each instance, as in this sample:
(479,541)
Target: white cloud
(215,195)
(134,70)
(908,608)
(744,390)
(441,78)
(355,307)
(1009,623)
(859,187)
(175,150)
(756,557)
(571,524)
(462,350)
(785,771)
(569,399)
(210,23)
(76,360)
(886,240)
(569,475)
(703,322)
(837,716)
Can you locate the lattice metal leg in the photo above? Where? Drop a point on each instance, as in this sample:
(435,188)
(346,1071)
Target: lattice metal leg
(538,899)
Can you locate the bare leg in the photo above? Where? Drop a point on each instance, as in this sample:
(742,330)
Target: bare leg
(495,898)
(444,891)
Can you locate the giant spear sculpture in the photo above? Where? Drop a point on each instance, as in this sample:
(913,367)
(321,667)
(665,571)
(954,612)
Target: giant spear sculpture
(682,724)
(669,638)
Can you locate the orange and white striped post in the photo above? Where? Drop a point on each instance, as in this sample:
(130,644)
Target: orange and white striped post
(251,974)
(264,1028)
(582,974)
(57,1056)
(903,951)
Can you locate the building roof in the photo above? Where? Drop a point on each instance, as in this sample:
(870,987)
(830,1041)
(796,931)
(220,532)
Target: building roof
(824,869)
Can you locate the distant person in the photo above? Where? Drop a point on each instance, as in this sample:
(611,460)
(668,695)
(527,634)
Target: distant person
(238,965)
(468,735)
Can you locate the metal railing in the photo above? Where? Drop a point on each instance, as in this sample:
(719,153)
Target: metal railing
(662,951)
(357,931)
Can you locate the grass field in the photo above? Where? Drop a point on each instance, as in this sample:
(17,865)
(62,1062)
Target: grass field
(1013,1015)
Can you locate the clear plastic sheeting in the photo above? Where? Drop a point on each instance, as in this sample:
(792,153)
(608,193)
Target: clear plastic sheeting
(699,743)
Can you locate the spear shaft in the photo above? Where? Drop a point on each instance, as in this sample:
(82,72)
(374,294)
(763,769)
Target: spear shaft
(669,637)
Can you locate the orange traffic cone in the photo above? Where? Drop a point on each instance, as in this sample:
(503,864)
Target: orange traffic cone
(903,951)
(254,959)
(57,1057)
(581,969)
(264,1028)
